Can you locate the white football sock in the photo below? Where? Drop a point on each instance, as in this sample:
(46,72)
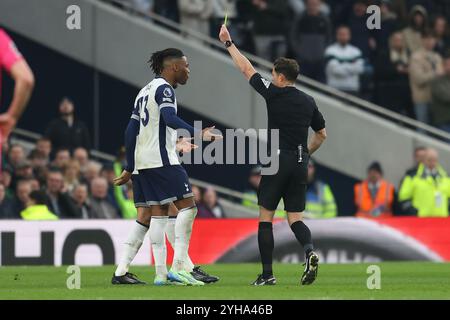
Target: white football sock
(131,247)
(183,230)
(158,241)
(170,233)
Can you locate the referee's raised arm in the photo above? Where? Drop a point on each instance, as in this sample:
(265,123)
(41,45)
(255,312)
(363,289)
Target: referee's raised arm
(243,64)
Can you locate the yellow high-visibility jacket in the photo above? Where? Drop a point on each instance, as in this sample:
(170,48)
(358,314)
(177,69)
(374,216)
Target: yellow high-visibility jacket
(38,212)
(429,196)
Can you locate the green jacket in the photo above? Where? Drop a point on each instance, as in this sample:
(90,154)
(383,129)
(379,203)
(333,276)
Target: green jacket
(320,204)
(440,106)
(428,196)
(37,212)
(126,206)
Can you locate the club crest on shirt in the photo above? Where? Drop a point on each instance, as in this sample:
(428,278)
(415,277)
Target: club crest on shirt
(167,92)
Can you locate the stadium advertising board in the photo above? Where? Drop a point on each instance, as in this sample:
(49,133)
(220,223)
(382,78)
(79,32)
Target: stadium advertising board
(341,240)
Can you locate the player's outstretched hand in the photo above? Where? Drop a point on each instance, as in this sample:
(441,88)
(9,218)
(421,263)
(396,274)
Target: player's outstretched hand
(208,135)
(185,145)
(7,124)
(124,177)
(224,35)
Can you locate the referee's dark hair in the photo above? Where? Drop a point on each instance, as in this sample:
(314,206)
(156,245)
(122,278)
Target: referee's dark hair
(159,57)
(287,67)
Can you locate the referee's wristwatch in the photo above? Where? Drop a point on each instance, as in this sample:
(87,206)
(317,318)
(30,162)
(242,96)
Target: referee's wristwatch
(228,43)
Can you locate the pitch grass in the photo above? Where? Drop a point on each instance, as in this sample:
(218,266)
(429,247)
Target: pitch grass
(398,281)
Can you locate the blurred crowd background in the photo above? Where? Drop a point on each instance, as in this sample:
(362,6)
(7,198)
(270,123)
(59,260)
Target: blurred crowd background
(404,67)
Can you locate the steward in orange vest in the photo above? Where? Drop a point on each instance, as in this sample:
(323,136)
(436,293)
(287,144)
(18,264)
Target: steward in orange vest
(374,196)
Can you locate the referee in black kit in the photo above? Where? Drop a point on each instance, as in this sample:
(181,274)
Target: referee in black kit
(292,112)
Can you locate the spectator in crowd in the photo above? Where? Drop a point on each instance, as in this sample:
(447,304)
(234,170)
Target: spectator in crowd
(429,189)
(425,66)
(309,37)
(71,173)
(80,196)
(108,173)
(418,21)
(6,179)
(320,201)
(44,145)
(405,207)
(168,9)
(93,170)
(392,77)
(270,28)
(58,201)
(345,63)
(374,197)
(298,7)
(23,190)
(23,171)
(419,157)
(440,29)
(210,207)
(361,35)
(197,194)
(16,155)
(35,184)
(62,157)
(36,208)
(101,208)
(37,159)
(124,200)
(67,131)
(389,23)
(195,14)
(440,97)
(6,204)
(81,155)
(250,199)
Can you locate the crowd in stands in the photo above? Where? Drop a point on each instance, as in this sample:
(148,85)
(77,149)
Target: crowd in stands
(57,178)
(45,183)
(423,192)
(404,66)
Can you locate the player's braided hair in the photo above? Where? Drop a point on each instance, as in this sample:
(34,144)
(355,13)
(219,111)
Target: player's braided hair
(157,59)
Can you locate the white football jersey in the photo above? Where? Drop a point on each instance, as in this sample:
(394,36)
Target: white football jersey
(156,142)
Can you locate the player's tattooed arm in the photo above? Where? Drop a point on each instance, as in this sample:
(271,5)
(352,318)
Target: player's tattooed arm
(243,64)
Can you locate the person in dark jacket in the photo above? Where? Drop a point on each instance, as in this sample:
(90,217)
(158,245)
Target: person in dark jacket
(269,17)
(309,37)
(440,98)
(67,131)
(59,202)
(392,77)
(6,205)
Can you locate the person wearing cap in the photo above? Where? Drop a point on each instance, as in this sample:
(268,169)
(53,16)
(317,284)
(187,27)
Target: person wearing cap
(320,202)
(374,197)
(429,189)
(36,208)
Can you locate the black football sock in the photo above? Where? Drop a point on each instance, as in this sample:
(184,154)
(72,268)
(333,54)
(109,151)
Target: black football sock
(266,244)
(303,235)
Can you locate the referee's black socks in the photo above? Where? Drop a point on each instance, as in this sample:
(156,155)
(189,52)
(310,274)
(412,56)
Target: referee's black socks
(266,244)
(303,235)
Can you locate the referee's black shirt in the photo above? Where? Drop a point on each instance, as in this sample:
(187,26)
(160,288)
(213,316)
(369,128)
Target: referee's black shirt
(289,110)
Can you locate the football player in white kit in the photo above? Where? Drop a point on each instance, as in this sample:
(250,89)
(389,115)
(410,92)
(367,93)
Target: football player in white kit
(161,180)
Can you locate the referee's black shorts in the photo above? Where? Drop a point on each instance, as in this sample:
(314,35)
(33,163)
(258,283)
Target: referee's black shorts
(289,184)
